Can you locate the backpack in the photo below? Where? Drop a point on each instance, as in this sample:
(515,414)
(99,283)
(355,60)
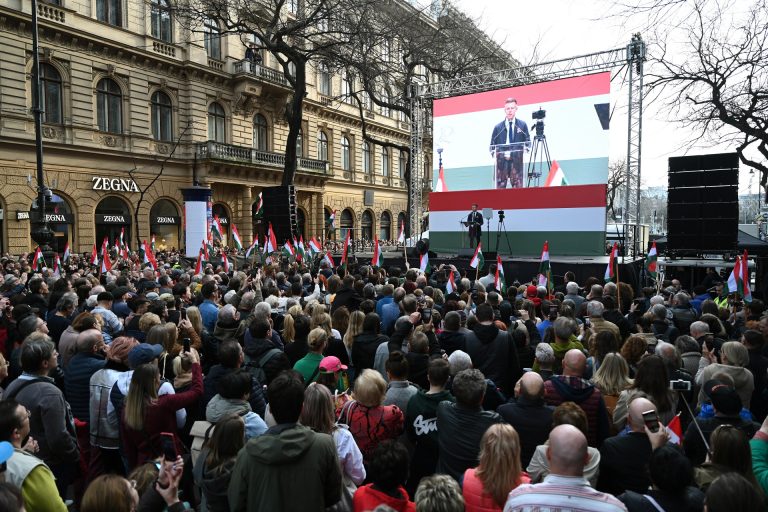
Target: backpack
(257,368)
(200,433)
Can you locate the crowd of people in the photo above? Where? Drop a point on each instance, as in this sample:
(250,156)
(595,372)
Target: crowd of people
(302,387)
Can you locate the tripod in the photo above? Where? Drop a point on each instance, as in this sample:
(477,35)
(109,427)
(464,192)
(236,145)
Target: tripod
(540,149)
(502,228)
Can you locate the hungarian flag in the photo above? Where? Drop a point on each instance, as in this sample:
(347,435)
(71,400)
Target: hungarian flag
(94,256)
(477,260)
(122,237)
(329,259)
(650,262)
(424,262)
(610,270)
(209,244)
(225,262)
(450,286)
(675,430)
(401,234)
(545,269)
(199,264)
(149,257)
(67,254)
(236,238)
(57,265)
(216,228)
(555,178)
(259,207)
(746,290)
(288,249)
(37,260)
(253,246)
(332,220)
(345,250)
(204,251)
(378,257)
(314,246)
(301,251)
(271,244)
(106,264)
(124,253)
(441,186)
(499,283)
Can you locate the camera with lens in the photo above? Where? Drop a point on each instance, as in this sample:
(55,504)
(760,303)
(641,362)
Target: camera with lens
(501,215)
(539,114)
(680,385)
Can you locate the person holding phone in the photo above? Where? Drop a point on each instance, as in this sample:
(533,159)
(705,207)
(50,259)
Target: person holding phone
(624,459)
(146,415)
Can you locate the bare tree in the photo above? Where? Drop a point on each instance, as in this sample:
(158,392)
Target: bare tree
(617,180)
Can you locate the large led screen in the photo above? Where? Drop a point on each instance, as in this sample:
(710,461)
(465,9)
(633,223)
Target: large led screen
(538,152)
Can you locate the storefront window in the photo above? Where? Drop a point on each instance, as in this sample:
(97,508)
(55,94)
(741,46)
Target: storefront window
(112,216)
(221,211)
(60,220)
(165,224)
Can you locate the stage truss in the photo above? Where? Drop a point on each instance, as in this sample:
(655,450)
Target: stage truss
(632,57)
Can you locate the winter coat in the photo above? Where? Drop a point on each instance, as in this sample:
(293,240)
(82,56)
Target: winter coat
(493,353)
(290,467)
(256,348)
(364,350)
(561,388)
(213,483)
(77,381)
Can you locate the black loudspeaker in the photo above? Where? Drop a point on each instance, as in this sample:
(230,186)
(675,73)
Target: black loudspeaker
(703,204)
(280,210)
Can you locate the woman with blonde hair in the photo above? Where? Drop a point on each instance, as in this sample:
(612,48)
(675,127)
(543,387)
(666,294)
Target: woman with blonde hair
(486,487)
(369,421)
(334,347)
(611,379)
(309,365)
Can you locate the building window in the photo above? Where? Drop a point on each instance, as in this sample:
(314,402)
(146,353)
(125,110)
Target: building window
(109,11)
(322,145)
(346,88)
(260,133)
(300,144)
(347,224)
(346,157)
(50,83)
(367,158)
(212,38)
(293,6)
(165,224)
(385,100)
(162,116)
(324,80)
(385,224)
(385,161)
(161,20)
(403,163)
(109,106)
(217,120)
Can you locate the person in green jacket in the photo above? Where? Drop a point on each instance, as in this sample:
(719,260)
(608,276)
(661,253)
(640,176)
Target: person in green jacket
(289,467)
(309,365)
(759,446)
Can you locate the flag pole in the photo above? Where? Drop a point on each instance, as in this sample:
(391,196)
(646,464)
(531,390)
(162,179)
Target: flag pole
(405,256)
(618,290)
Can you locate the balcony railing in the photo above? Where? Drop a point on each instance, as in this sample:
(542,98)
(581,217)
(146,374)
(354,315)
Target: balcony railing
(241,154)
(260,71)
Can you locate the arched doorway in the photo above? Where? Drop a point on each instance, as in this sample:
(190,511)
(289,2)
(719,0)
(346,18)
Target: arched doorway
(330,234)
(221,211)
(301,222)
(385,226)
(346,224)
(112,216)
(366,225)
(61,221)
(165,225)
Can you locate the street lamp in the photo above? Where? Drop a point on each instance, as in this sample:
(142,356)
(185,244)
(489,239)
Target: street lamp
(440,160)
(40,231)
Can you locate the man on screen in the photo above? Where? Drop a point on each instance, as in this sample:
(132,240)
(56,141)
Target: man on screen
(508,140)
(475,224)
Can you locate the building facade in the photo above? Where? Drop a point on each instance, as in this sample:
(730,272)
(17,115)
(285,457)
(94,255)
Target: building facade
(137,108)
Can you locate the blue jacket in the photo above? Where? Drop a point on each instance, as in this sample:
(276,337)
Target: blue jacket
(209,313)
(381,303)
(77,381)
(389,315)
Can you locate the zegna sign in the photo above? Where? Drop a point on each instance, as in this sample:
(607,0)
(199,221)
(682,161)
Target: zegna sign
(114,184)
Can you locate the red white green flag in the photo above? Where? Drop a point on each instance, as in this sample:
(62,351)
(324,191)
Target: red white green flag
(424,262)
(106,264)
(253,246)
(329,259)
(149,257)
(746,290)
(378,257)
(610,270)
(216,227)
(204,251)
(94,256)
(67,253)
(300,250)
(259,207)
(545,269)
(271,245)
(225,262)
(450,286)
(499,283)
(57,265)
(199,263)
(345,250)
(401,234)
(288,249)
(236,238)
(651,262)
(37,260)
(314,246)
(332,220)
(477,260)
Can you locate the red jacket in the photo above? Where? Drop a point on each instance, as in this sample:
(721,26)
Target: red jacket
(143,446)
(367,498)
(475,497)
(372,425)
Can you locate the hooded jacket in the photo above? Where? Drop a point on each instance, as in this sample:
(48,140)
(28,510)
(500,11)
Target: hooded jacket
(562,388)
(255,348)
(224,333)
(290,467)
(743,381)
(451,341)
(219,407)
(493,353)
(364,350)
(211,381)
(214,483)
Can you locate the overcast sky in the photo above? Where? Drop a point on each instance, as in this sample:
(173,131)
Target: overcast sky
(566,28)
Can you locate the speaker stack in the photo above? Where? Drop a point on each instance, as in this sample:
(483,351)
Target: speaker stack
(703,204)
(280,210)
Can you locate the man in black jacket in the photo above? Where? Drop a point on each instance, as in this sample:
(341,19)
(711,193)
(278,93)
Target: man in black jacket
(258,341)
(451,338)
(492,351)
(528,413)
(347,296)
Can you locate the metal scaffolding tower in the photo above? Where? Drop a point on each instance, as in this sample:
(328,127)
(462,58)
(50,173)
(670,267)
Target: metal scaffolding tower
(630,57)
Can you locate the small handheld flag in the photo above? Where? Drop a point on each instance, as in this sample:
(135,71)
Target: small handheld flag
(610,271)
(199,263)
(253,246)
(556,177)
(441,185)
(347,243)
(499,282)
(37,260)
(329,259)
(260,207)
(332,220)
(314,245)
(66,253)
(378,258)
(106,264)
(424,262)
(57,266)
(216,227)
(450,286)
(236,237)
(651,262)
(545,269)
(271,245)
(94,256)
(477,261)
(746,290)
(288,249)
(225,262)
(401,234)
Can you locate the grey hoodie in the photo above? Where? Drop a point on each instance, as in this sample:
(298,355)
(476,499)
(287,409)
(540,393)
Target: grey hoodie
(219,407)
